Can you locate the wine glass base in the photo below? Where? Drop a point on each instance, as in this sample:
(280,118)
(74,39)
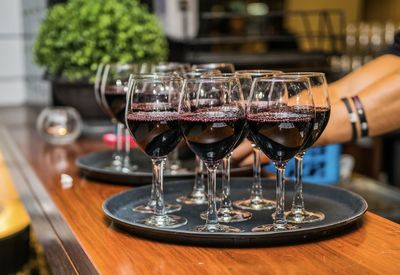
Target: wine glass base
(166,221)
(216,228)
(149,207)
(129,169)
(274,228)
(113,168)
(304,217)
(192,200)
(230,215)
(255,205)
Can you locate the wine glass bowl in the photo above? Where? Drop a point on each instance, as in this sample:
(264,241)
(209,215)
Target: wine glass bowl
(256,201)
(319,91)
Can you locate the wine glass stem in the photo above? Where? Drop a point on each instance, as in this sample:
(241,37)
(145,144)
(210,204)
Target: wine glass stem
(280,219)
(127,147)
(256,188)
(158,170)
(226,182)
(199,186)
(298,202)
(212,217)
(116,157)
(120,128)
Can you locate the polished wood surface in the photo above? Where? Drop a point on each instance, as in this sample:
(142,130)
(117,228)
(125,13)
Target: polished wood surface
(88,243)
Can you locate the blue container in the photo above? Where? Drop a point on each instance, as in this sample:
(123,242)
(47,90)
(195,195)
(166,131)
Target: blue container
(320,165)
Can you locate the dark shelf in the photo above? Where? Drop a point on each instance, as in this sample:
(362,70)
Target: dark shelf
(249,59)
(228,15)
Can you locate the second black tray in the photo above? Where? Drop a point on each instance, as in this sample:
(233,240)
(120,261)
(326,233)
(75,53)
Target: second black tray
(341,207)
(93,165)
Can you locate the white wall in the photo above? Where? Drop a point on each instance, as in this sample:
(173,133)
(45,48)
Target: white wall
(20,79)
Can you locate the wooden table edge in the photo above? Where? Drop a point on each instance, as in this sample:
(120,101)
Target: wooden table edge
(52,231)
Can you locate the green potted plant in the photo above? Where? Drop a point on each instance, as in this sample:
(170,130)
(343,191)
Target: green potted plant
(77,36)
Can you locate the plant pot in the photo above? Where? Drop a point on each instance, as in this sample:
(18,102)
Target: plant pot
(79,95)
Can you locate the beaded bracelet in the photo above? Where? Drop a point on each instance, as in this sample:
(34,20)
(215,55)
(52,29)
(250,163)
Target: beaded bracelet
(361,115)
(352,118)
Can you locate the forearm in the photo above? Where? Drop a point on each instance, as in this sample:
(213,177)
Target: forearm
(381,102)
(382,105)
(358,80)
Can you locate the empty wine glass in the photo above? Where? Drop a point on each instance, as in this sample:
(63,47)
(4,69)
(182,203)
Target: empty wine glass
(280,116)
(319,91)
(212,118)
(256,200)
(152,119)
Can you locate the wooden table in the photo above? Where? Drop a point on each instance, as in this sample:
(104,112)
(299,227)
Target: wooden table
(77,238)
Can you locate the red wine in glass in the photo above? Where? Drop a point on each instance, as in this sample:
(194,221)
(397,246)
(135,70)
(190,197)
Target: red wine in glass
(116,101)
(156,133)
(322,115)
(243,136)
(211,135)
(281,135)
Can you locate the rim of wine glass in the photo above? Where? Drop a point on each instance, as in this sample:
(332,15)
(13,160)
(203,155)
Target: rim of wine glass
(307,75)
(235,75)
(302,74)
(251,72)
(156,76)
(199,74)
(211,79)
(282,78)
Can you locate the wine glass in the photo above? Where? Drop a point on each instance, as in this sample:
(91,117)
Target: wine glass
(256,200)
(223,67)
(198,194)
(152,120)
(116,162)
(226,213)
(280,115)
(319,91)
(173,164)
(212,118)
(113,96)
(149,207)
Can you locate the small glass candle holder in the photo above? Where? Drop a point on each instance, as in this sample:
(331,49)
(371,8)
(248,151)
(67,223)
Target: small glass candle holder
(59,125)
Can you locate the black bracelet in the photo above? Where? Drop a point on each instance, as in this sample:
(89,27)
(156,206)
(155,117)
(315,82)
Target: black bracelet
(361,115)
(352,118)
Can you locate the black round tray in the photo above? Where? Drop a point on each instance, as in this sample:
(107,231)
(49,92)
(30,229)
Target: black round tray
(341,207)
(93,166)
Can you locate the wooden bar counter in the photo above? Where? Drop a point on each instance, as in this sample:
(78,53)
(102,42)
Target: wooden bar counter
(77,238)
